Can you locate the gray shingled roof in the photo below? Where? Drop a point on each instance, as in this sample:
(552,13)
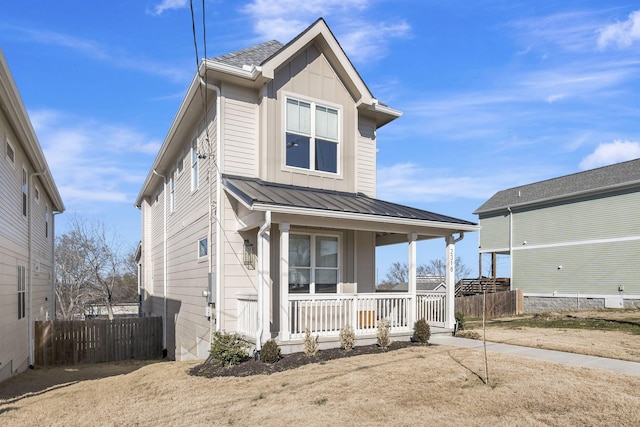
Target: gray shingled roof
(592,181)
(255,191)
(254,55)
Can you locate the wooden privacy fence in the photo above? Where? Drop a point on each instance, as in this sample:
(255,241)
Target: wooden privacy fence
(498,304)
(66,342)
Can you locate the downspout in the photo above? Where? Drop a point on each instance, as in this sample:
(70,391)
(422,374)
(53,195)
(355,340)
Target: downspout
(164,267)
(30,257)
(218,260)
(510,246)
(55,270)
(264,228)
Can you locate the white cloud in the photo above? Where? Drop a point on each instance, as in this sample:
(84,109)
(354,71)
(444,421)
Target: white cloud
(611,152)
(359,37)
(168,5)
(623,34)
(408,182)
(92,161)
(556,98)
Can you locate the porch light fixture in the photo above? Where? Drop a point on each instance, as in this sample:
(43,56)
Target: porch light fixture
(248,254)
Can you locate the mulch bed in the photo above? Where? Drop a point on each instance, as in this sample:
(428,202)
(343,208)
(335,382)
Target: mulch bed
(212,368)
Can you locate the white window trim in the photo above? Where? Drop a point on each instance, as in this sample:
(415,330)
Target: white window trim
(36,194)
(339,143)
(205,256)
(24,193)
(312,260)
(47,215)
(6,152)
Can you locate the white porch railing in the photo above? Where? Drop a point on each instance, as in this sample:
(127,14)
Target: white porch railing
(432,307)
(247,315)
(324,315)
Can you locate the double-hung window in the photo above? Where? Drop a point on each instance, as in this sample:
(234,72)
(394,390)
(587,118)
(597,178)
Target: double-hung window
(22,291)
(25,192)
(312,136)
(313,264)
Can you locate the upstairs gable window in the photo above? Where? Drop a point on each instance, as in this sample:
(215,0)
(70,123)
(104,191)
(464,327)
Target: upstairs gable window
(312,136)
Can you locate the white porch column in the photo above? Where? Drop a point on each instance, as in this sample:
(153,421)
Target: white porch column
(450,281)
(264,281)
(413,237)
(284,282)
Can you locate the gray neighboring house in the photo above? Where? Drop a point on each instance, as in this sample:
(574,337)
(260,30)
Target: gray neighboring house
(28,200)
(259,213)
(573,241)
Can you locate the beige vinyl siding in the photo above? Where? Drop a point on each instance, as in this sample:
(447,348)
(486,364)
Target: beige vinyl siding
(366,261)
(240,131)
(597,268)
(366,157)
(494,232)
(309,76)
(603,217)
(13,225)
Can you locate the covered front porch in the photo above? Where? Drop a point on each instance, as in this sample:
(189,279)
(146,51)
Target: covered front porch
(315,263)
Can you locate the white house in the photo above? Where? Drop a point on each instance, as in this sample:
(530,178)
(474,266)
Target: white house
(259,213)
(28,200)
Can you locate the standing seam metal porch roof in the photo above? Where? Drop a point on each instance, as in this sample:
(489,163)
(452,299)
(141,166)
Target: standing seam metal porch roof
(255,191)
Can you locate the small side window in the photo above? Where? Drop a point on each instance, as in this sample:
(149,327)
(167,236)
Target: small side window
(11,154)
(203,248)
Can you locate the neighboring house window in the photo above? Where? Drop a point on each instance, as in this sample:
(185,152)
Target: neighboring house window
(194,164)
(22,291)
(11,154)
(172,194)
(312,140)
(36,194)
(24,192)
(46,221)
(203,248)
(313,264)
(179,166)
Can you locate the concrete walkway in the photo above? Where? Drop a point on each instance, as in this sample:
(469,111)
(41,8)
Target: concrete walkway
(580,360)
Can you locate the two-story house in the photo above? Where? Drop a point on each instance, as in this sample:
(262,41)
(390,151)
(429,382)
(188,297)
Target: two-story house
(259,213)
(28,200)
(573,241)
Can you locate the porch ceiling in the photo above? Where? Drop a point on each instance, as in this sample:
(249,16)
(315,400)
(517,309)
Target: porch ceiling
(337,209)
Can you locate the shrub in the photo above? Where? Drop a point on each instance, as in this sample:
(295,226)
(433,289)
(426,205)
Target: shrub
(384,333)
(421,331)
(270,352)
(229,349)
(347,337)
(459,321)
(310,343)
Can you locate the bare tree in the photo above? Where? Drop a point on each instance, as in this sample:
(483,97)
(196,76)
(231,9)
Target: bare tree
(90,267)
(438,267)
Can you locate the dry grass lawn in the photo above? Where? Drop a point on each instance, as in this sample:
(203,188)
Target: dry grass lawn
(414,386)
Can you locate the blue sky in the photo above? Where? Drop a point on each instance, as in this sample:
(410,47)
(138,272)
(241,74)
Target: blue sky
(494,93)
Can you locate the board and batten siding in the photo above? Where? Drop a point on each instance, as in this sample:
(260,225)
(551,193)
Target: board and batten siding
(309,76)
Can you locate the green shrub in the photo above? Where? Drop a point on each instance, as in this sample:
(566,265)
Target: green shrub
(229,349)
(270,352)
(347,337)
(384,333)
(421,331)
(459,321)
(310,343)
